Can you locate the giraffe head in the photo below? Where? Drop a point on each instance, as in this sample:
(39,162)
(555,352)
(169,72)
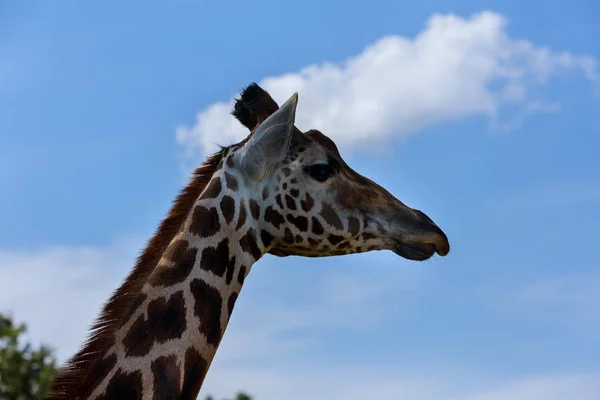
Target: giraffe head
(305,200)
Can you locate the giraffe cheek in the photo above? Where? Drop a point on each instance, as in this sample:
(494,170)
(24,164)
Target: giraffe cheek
(353,226)
(299,222)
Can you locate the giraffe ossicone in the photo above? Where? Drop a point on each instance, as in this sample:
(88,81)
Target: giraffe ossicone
(279,191)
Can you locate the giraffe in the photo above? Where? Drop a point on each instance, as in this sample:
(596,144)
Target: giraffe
(280,191)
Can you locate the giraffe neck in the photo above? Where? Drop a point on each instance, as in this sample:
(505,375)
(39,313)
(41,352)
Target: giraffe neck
(170,337)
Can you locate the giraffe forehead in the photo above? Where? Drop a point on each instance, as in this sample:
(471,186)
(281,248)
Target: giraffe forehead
(308,152)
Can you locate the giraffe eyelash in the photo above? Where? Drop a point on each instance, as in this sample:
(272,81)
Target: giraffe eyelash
(320,171)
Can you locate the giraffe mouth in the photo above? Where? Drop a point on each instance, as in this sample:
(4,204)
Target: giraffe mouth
(415,251)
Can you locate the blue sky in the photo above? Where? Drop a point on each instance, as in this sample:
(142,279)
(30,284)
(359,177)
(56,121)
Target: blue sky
(99,116)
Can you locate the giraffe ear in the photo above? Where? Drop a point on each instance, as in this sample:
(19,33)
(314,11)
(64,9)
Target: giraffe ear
(270,142)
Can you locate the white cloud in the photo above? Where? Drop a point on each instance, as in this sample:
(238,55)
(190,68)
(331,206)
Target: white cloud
(59,291)
(455,68)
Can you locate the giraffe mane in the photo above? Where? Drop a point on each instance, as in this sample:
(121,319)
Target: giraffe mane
(101,336)
(251,109)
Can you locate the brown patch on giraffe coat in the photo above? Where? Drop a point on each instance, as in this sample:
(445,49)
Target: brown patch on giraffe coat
(286,171)
(124,385)
(354,189)
(317,228)
(248,244)
(307,203)
(242,216)
(242,275)
(229,161)
(166,374)
(229,270)
(207,308)
(368,236)
(331,217)
(231,182)
(176,250)
(301,222)
(136,304)
(183,258)
(295,192)
(278,201)
(288,237)
(214,259)
(273,217)
(228,208)
(205,221)
(195,371)
(266,238)
(353,226)
(213,189)
(290,202)
(265,193)
(335,239)
(166,320)
(231,302)
(254,208)
(313,242)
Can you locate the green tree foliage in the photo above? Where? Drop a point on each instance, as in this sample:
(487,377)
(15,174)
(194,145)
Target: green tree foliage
(25,373)
(242,396)
(239,396)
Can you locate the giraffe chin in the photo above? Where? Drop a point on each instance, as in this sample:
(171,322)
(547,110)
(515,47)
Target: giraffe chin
(415,251)
(279,253)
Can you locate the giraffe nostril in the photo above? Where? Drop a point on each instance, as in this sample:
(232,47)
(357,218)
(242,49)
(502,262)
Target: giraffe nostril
(434,236)
(440,243)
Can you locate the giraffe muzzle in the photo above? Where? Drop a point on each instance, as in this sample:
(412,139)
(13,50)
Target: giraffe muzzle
(423,249)
(428,240)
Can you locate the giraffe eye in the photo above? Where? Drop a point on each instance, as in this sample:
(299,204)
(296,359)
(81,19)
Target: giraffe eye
(320,172)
